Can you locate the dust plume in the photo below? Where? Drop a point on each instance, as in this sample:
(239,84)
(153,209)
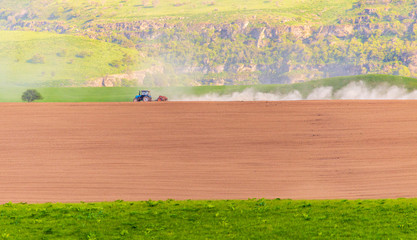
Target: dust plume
(354,90)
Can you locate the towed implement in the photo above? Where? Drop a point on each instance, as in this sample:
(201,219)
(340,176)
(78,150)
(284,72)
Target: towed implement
(145,96)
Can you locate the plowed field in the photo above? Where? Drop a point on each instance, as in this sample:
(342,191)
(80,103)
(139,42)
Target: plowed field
(71,152)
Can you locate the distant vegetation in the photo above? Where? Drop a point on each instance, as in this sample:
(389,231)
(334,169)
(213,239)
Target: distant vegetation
(192,43)
(229,219)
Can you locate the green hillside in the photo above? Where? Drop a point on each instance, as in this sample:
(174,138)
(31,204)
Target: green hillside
(49,59)
(87,10)
(227,42)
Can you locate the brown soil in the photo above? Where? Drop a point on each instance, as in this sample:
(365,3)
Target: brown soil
(71,152)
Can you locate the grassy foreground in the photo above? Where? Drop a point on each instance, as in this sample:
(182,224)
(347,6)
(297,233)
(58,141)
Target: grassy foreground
(222,219)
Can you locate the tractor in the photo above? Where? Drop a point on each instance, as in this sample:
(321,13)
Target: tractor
(145,96)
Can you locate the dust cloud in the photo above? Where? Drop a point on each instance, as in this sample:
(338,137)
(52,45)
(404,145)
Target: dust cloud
(352,91)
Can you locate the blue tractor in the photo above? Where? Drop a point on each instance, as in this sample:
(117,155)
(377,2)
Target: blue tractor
(144,95)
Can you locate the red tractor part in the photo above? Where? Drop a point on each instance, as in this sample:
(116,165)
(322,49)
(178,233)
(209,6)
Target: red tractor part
(162,99)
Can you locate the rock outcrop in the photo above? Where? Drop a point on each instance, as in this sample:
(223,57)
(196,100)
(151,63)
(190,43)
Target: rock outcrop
(117,80)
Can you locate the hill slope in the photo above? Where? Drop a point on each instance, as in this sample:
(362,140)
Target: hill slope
(230,42)
(49,59)
(77,12)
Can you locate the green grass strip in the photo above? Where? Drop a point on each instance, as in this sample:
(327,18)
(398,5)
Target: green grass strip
(221,219)
(126,94)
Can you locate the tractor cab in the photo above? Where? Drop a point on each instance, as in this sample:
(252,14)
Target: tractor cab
(144,93)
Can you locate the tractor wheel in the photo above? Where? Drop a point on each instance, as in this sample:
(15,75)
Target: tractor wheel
(146,99)
(135,100)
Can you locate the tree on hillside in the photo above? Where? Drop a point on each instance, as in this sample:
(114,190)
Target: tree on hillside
(31,95)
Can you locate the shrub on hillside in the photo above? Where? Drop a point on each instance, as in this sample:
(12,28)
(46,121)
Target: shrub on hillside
(116,63)
(62,53)
(128,60)
(37,58)
(83,54)
(31,95)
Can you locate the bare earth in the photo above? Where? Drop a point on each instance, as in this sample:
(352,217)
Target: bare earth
(71,152)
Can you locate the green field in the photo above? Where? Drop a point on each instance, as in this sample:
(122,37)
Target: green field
(48,59)
(292,11)
(77,12)
(221,219)
(126,94)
